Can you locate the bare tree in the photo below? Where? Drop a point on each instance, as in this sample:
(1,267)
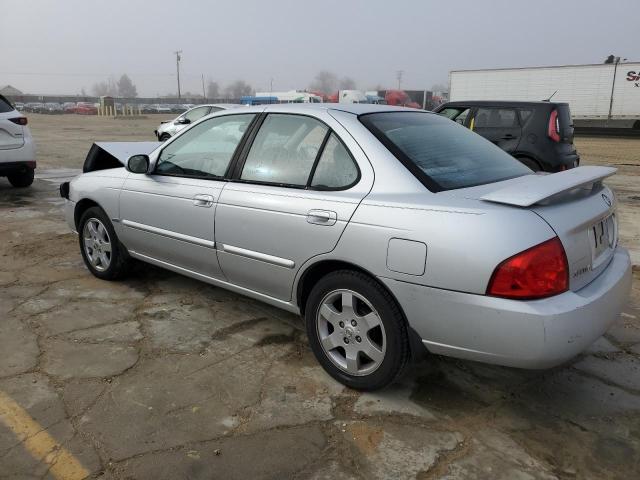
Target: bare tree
(347,83)
(126,88)
(325,82)
(213,89)
(106,88)
(439,87)
(238,89)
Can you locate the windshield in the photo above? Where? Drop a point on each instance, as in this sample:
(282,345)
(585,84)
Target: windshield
(442,154)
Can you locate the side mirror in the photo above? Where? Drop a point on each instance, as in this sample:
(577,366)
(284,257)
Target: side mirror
(182,121)
(138,164)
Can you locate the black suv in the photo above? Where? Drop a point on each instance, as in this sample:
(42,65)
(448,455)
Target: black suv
(539,134)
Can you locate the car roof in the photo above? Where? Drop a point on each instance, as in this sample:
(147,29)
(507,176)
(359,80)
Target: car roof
(510,103)
(354,108)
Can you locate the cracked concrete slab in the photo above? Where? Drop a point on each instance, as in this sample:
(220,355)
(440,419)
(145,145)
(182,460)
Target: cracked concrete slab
(18,347)
(68,359)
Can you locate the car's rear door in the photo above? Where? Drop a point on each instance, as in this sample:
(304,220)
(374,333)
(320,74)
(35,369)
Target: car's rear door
(169,215)
(500,125)
(294,192)
(11,133)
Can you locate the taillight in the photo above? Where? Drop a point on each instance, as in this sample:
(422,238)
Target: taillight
(553,129)
(19,120)
(538,272)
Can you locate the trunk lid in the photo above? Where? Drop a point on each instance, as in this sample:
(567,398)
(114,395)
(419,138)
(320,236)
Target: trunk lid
(575,204)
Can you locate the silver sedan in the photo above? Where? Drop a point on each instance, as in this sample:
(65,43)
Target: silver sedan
(390,230)
(169,128)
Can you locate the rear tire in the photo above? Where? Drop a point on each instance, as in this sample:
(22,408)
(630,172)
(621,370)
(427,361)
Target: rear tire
(164,137)
(357,330)
(531,163)
(21,179)
(102,252)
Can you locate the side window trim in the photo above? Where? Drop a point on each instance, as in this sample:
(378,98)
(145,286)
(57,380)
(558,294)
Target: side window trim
(236,152)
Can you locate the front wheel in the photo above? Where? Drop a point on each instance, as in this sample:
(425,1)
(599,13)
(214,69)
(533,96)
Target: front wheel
(101,250)
(356,330)
(21,179)
(164,137)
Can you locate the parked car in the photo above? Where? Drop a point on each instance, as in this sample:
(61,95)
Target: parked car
(19,106)
(178,108)
(539,134)
(169,128)
(52,108)
(33,107)
(69,107)
(386,228)
(17,151)
(86,108)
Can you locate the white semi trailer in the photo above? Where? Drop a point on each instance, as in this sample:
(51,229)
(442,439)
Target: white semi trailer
(599,95)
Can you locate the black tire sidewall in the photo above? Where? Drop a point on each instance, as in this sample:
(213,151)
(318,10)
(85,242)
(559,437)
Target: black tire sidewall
(397,348)
(117,254)
(21,179)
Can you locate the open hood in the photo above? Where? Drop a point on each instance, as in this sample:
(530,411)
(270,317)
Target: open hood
(103,155)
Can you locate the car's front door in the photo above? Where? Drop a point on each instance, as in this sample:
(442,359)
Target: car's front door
(499,125)
(292,197)
(169,214)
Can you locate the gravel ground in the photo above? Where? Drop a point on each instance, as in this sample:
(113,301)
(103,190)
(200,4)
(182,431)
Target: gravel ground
(163,377)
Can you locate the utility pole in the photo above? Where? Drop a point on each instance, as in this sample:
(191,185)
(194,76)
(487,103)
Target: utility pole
(178,58)
(204,93)
(616,61)
(399,74)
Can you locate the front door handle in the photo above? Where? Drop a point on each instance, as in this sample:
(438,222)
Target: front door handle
(203,201)
(322,217)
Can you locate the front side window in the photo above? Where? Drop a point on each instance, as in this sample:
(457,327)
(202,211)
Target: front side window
(336,169)
(196,114)
(206,149)
(284,150)
(440,153)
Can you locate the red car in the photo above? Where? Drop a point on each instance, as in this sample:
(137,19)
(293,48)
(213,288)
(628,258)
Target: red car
(84,108)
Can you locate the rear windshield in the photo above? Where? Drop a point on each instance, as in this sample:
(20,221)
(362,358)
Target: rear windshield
(440,153)
(5,106)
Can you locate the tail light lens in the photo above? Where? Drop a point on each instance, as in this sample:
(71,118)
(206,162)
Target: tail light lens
(553,129)
(541,271)
(19,120)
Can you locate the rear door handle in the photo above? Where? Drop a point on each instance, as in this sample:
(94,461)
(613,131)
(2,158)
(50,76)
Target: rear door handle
(508,136)
(203,201)
(322,217)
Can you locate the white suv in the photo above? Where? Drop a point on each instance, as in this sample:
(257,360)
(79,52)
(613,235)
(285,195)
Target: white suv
(17,152)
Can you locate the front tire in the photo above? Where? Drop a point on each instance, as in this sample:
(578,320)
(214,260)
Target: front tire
(102,252)
(357,330)
(164,137)
(21,179)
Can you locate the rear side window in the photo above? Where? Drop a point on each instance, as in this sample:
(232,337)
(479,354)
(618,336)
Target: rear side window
(284,150)
(440,153)
(496,118)
(5,106)
(336,169)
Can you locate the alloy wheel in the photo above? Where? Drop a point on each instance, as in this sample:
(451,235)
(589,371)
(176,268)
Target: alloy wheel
(351,332)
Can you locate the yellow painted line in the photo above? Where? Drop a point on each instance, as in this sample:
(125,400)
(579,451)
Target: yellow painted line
(41,445)
(473,122)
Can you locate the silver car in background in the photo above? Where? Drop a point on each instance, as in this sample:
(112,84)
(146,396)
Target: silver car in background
(169,128)
(387,228)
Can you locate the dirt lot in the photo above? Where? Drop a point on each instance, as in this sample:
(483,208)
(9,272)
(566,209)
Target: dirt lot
(162,377)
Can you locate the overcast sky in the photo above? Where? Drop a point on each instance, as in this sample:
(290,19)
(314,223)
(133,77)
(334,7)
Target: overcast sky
(63,46)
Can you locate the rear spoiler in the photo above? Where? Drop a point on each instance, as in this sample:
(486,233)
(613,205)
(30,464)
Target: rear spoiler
(103,155)
(534,189)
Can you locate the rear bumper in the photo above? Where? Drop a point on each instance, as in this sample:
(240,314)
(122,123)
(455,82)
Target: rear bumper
(525,334)
(8,168)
